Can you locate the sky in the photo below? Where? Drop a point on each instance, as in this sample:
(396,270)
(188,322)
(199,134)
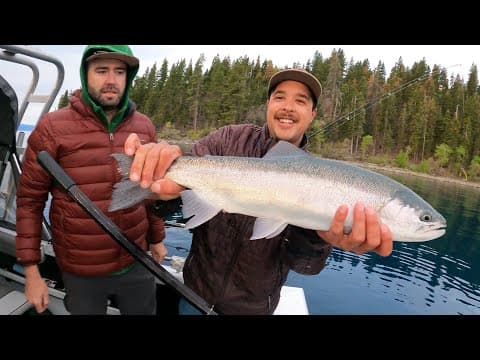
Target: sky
(456,59)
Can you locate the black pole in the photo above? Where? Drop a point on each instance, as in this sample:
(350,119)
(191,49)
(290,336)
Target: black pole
(67,184)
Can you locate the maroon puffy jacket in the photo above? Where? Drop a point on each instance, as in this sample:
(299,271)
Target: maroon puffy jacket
(82,145)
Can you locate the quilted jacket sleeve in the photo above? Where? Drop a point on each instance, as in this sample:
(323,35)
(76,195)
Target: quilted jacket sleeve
(32,194)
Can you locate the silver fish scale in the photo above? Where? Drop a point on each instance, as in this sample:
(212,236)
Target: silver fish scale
(286,185)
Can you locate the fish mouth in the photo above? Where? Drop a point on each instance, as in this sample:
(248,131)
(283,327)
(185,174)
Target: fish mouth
(439,231)
(434,231)
(438,226)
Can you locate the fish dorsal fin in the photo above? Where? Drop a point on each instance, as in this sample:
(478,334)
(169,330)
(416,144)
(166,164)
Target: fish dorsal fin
(283,149)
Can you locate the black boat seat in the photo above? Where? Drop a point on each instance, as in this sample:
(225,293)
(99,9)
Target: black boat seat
(8,125)
(8,121)
(8,150)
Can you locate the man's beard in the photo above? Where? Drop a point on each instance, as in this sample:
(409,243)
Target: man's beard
(106,105)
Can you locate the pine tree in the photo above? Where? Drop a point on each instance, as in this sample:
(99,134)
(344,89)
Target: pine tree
(64,100)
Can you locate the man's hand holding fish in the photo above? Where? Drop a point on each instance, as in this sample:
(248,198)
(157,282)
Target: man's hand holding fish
(367,234)
(150,165)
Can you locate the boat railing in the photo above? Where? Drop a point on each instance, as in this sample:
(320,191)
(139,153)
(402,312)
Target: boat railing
(23,55)
(29,57)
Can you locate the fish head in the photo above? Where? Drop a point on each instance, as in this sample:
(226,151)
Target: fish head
(412,219)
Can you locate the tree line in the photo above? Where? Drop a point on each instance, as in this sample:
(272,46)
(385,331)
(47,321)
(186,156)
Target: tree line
(416,117)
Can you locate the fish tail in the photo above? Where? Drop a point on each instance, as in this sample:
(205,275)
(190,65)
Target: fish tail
(126,193)
(124,163)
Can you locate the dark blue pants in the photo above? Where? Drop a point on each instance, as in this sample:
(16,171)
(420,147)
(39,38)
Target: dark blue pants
(134,293)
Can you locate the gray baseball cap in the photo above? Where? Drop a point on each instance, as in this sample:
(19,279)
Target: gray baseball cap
(299,75)
(130,60)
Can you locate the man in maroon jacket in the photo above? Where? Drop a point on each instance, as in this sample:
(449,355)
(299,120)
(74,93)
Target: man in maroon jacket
(81,138)
(238,276)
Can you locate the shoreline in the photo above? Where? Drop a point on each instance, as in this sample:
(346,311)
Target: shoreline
(475,185)
(185,145)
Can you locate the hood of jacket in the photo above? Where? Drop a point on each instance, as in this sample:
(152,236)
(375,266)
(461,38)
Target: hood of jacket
(131,73)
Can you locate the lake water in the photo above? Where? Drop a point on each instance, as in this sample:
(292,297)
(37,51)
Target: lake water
(439,277)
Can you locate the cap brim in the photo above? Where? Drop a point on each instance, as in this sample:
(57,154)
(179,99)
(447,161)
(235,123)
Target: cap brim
(131,61)
(297,75)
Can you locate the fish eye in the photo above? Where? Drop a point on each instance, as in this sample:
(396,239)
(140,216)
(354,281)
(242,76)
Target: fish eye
(426,217)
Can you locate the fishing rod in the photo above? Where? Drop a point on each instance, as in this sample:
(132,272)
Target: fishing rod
(341,120)
(69,186)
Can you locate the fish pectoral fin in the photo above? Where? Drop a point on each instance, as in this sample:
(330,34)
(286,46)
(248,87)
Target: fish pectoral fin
(194,206)
(267,228)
